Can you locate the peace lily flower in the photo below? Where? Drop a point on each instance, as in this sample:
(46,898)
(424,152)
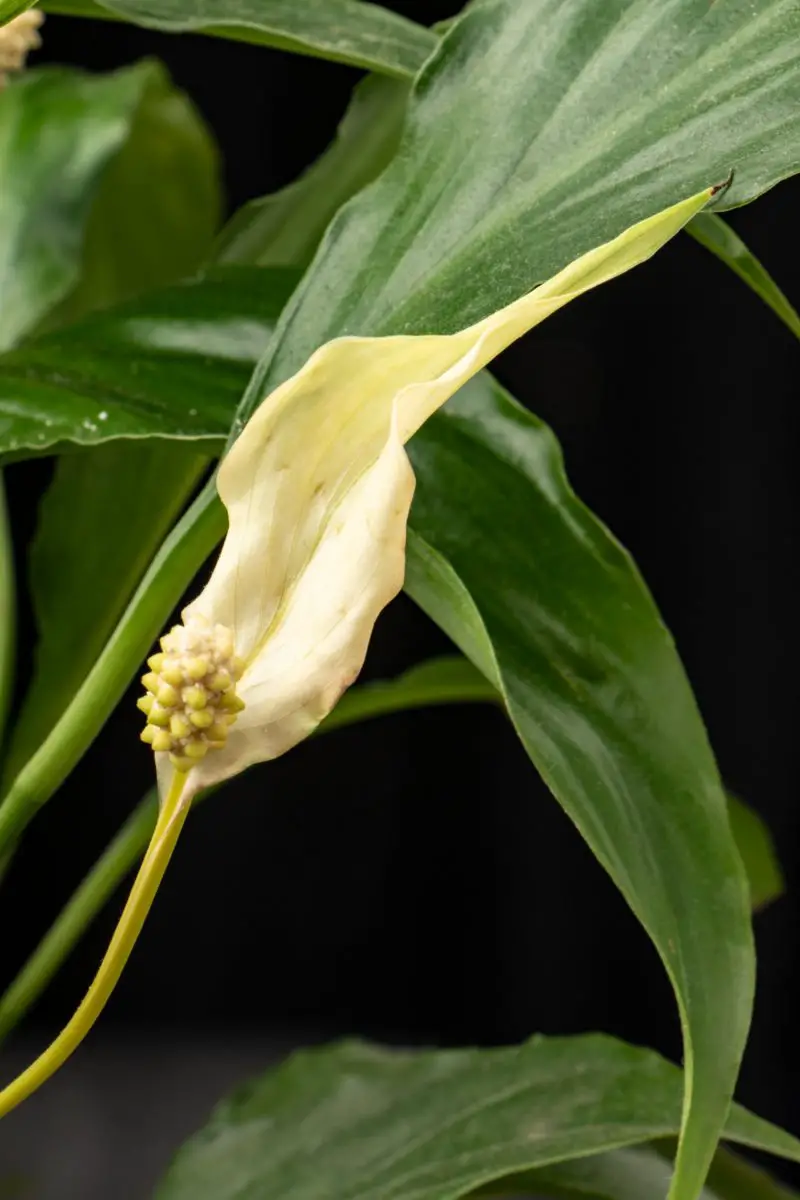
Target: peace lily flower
(318,489)
(17,39)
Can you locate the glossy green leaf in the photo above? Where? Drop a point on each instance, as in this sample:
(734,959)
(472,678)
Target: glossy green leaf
(170,365)
(348,31)
(387,1125)
(598,696)
(284,229)
(78,153)
(59,132)
(757,849)
(717,236)
(101,520)
(598,117)
(158,206)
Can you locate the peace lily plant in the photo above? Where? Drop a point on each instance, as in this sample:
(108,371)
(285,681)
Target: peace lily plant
(385,281)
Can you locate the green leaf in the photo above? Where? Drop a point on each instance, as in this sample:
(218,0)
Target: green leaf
(581,134)
(387,1125)
(169,365)
(284,229)
(348,31)
(101,520)
(158,207)
(757,849)
(77,153)
(718,237)
(597,694)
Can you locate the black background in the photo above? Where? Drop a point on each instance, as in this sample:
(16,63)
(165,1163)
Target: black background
(411,879)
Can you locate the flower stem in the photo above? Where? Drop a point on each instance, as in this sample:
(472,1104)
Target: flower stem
(151,872)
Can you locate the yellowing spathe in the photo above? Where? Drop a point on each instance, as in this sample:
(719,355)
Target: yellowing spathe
(318,489)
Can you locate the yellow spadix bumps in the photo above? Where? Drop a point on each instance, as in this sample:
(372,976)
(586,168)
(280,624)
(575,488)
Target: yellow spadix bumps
(191,699)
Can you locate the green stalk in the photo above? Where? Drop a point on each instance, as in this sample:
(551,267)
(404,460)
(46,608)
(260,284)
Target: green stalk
(7,611)
(180,556)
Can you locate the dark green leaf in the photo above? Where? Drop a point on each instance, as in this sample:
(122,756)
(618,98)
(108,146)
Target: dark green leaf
(59,132)
(502,551)
(434,1126)
(451,680)
(82,221)
(157,209)
(581,134)
(718,237)
(172,364)
(285,229)
(347,31)
(757,849)
(102,519)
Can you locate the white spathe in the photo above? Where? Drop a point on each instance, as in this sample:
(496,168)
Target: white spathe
(318,489)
